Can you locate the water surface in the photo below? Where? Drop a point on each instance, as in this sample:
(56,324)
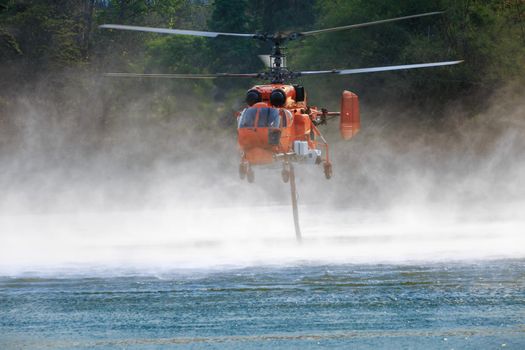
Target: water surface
(440,305)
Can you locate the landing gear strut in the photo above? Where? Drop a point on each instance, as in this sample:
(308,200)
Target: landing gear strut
(250,175)
(243,169)
(246,171)
(327,170)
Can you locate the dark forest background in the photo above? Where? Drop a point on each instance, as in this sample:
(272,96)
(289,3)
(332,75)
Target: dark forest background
(51,40)
(57,111)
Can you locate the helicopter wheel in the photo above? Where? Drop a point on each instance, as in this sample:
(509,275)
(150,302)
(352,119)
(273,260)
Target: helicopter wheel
(243,169)
(285,174)
(250,175)
(327,170)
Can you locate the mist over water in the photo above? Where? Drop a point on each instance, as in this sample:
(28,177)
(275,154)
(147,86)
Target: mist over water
(148,195)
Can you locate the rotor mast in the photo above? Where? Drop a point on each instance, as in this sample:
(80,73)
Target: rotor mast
(278,71)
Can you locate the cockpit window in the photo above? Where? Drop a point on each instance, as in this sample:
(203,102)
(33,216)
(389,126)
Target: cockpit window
(247,118)
(268,118)
(284,120)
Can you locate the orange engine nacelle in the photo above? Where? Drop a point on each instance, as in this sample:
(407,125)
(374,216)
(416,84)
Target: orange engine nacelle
(350,122)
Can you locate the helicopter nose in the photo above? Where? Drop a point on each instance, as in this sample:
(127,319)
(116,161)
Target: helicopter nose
(259,156)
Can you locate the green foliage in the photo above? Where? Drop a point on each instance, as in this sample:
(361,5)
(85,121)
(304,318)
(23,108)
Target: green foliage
(182,54)
(488,35)
(282,15)
(9,45)
(231,54)
(44,34)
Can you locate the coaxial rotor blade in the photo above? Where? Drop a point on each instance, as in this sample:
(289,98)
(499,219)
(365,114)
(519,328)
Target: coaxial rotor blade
(174,31)
(264,37)
(184,76)
(377,69)
(352,26)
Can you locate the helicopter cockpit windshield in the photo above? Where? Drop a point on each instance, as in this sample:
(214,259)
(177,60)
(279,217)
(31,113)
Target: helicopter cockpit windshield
(247,118)
(267,118)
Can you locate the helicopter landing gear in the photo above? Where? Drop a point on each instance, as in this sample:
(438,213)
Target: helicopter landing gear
(250,175)
(327,170)
(246,171)
(285,173)
(243,170)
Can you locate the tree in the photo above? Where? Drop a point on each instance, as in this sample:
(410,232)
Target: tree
(486,34)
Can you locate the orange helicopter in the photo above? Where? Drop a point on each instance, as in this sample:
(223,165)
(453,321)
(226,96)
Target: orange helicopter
(278,123)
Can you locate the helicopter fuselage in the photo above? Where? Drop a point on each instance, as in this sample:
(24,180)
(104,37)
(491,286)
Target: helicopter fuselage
(269,127)
(278,125)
